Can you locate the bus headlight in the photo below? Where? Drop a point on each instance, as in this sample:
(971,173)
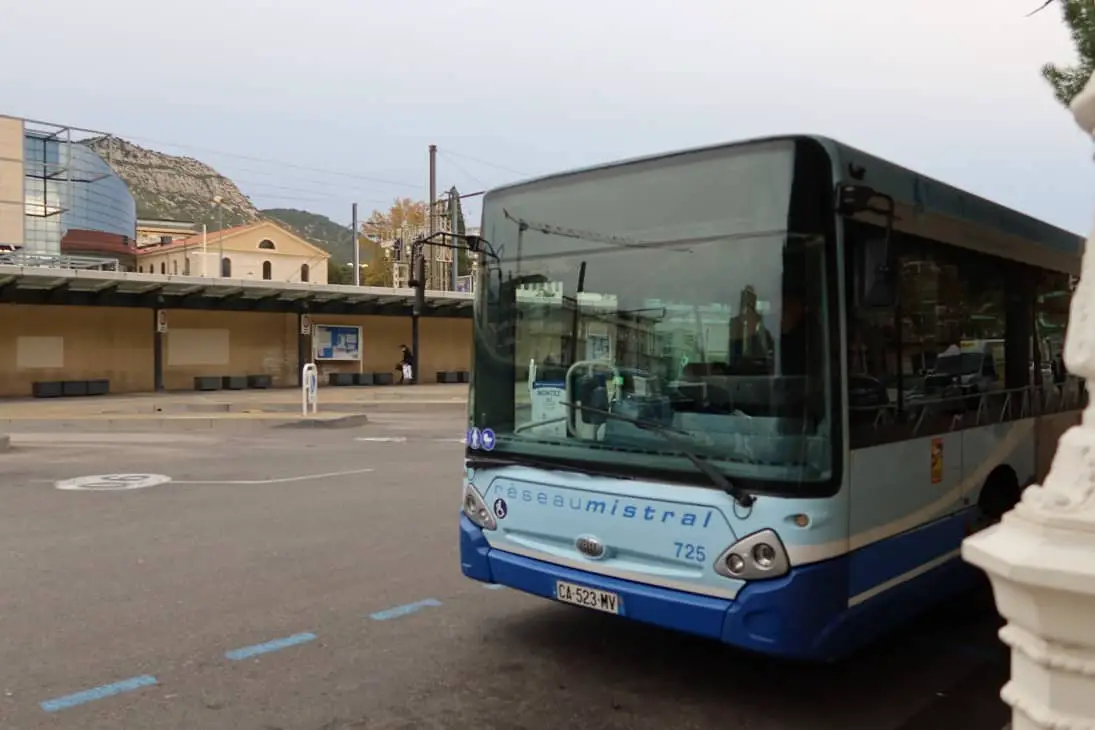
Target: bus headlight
(475,507)
(759,556)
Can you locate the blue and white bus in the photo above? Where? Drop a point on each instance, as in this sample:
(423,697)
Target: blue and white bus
(757,392)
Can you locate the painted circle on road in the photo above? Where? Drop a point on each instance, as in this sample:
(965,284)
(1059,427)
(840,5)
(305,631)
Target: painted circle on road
(112,482)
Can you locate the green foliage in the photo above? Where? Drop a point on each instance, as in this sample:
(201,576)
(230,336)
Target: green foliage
(378,269)
(456,210)
(403,212)
(463,263)
(316,229)
(339,273)
(1068,81)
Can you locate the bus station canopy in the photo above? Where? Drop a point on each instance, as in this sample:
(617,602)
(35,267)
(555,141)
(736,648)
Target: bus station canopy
(93,287)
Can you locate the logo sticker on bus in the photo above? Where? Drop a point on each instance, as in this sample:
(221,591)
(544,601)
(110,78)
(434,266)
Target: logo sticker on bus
(937,461)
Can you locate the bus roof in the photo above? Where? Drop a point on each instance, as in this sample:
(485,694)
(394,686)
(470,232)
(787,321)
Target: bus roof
(908,188)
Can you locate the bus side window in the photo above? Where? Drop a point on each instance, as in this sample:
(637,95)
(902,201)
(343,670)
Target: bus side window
(872,353)
(952,303)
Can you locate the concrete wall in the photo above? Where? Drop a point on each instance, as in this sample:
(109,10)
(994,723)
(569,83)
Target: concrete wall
(74,343)
(229,343)
(12,209)
(43,343)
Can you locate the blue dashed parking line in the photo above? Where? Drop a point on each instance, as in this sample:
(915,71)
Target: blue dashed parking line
(147,680)
(98,693)
(265,648)
(404,610)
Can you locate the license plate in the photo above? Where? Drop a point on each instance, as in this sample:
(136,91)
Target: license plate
(587,597)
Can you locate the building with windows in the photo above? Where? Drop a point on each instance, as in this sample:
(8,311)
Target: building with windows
(259,251)
(157,232)
(61,204)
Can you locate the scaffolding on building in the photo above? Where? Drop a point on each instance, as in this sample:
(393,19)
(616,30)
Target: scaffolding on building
(396,244)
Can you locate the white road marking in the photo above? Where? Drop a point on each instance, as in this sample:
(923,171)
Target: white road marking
(280,480)
(403,439)
(112,482)
(104,438)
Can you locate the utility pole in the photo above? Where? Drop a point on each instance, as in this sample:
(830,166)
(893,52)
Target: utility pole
(357,247)
(418,281)
(432,226)
(418,265)
(454,206)
(218,203)
(220,236)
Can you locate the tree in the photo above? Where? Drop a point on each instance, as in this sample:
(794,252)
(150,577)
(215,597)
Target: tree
(1068,81)
(386,226)
(339,274)
(378,271)
(464,258)
(404,212)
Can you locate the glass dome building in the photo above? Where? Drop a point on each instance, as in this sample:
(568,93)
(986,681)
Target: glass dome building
(75,206)
(69,187)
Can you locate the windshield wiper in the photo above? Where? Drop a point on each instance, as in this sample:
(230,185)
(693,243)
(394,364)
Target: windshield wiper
(669,433)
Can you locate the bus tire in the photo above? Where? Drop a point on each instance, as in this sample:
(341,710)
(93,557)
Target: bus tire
(1000,493)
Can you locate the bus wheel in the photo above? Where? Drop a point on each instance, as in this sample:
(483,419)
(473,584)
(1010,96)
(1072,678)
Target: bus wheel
(999,495)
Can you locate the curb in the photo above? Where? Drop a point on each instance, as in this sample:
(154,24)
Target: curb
(228,410)
(358,419)
(182,423)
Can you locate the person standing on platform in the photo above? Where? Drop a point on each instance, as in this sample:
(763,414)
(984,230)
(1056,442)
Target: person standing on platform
(406,365)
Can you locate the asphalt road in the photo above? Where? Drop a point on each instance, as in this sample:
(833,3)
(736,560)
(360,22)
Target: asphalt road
(345,550)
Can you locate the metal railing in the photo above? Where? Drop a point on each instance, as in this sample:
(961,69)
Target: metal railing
(56,261)
(926,416)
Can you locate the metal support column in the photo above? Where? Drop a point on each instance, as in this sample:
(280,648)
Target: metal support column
(304,345)
(418,269)
(157,350)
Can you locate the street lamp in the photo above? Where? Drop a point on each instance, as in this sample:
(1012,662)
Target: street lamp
(218,204)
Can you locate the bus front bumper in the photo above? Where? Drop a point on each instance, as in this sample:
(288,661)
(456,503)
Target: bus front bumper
(791,617)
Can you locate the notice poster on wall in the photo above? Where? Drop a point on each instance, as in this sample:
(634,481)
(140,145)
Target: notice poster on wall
(336,342)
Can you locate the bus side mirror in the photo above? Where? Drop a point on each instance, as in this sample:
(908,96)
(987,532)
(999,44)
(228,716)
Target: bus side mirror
(876,278)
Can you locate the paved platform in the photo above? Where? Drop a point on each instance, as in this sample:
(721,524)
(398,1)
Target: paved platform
(306,580)
(272,405)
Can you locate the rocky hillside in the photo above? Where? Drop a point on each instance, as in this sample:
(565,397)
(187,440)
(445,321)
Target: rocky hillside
(167,187)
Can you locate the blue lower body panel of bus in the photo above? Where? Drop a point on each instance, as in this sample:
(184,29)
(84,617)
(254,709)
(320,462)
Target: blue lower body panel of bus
(804,615)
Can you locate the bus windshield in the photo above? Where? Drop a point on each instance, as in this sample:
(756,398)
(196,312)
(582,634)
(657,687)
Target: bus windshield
(678,291)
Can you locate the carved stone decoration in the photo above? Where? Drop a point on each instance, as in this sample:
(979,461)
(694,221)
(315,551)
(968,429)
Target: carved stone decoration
(1040,558)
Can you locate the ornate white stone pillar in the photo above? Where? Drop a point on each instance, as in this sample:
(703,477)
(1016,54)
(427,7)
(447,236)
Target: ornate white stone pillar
(1041,556)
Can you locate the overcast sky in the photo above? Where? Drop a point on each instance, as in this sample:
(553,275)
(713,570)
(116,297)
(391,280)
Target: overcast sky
(358,89)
